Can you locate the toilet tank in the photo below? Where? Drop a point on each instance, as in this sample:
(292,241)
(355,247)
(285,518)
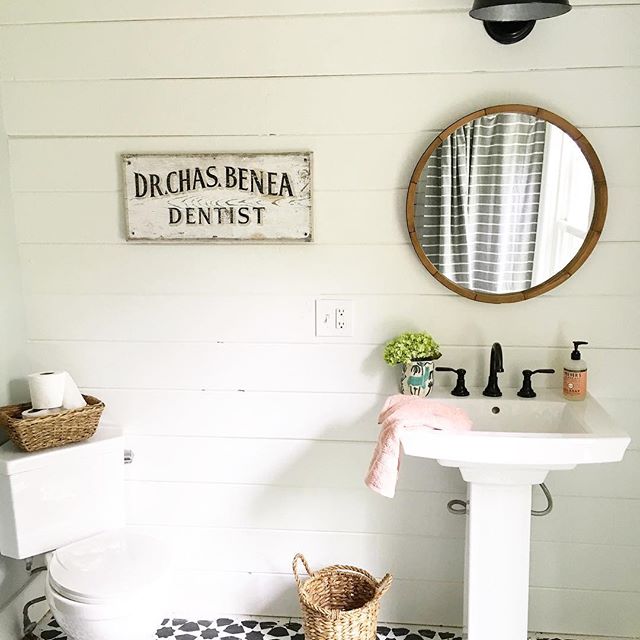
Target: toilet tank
(54,497)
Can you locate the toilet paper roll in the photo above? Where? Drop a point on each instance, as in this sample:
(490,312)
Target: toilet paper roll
(37,413)
(47,389)
(72,398)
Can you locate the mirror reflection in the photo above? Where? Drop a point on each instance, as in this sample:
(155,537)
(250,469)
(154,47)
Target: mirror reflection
(504,203)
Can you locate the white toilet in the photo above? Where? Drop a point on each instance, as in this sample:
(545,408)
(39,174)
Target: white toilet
(104,582)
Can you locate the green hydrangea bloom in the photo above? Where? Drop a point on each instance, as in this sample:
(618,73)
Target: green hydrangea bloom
(411,346)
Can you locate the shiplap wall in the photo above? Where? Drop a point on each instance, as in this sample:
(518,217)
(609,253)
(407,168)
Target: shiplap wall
(251,436)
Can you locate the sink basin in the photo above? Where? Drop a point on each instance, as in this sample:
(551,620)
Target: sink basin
(543,432)
(513,444)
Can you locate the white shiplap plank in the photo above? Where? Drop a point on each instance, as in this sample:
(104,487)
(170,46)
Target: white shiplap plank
(302,463)
(219,366)
(229,270)
(603,613)
(346,368)
(588,520)
(361,163)
(29,11)
(600,521)
(246,506)
(574,521)
(271,551)
(266,594)
(264,106)
(288,46)
(296,463)
(405,557)
(320,270)
(292,319)
(584,566)
(316,416)
(340,217)
(19,11)
(82,217)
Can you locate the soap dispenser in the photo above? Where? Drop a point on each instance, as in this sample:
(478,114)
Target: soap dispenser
(574,380)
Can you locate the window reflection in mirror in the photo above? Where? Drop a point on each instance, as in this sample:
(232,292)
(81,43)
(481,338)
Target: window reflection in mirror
(504,203)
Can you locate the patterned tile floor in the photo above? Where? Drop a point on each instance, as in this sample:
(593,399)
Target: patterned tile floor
(263,629)
(243,629)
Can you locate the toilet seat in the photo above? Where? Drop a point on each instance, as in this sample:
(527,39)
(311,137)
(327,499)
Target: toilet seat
(110,566)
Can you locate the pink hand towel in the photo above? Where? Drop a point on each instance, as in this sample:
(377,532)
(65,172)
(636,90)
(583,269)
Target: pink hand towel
(402,412)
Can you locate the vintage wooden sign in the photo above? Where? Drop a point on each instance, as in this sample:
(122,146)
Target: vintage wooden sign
(218,197)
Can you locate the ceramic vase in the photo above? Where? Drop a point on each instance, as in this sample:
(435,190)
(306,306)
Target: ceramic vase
(417,378)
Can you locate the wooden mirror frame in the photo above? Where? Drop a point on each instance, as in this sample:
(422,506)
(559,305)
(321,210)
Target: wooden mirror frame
(590,241)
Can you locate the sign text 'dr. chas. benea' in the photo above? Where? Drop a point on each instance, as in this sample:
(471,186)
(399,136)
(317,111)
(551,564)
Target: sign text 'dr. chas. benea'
(218,196)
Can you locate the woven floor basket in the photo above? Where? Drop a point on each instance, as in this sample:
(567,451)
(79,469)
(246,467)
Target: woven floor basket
(34,434)
(339,602)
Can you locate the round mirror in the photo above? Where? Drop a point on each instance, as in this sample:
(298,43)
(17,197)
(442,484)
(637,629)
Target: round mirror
(506,203)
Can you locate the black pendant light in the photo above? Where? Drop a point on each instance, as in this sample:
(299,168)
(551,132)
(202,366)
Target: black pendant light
(509,21)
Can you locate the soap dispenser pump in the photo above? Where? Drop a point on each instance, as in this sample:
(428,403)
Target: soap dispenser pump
(574,380)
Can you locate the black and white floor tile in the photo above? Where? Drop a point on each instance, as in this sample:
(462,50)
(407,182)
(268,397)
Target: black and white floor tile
(263,629)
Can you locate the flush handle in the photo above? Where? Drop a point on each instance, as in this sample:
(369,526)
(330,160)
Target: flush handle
(128,456)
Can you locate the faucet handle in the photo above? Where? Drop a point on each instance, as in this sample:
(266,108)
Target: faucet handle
(460,389)
(527,390)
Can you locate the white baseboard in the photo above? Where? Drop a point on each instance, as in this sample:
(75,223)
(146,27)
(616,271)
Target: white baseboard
(11,613)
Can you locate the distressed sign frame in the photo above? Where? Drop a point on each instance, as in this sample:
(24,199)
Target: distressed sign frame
(219,197)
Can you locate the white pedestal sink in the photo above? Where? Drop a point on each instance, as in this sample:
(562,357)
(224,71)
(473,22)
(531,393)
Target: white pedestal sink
(514,443)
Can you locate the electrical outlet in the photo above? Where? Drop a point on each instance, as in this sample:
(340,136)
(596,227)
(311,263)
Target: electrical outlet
(334,318)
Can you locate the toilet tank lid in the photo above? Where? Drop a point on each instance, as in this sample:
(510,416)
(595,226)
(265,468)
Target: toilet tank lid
(14,460)
(108,565)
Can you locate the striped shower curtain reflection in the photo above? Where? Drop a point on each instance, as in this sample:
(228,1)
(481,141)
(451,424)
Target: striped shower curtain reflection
(480,198)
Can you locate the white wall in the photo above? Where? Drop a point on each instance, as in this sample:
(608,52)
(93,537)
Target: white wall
(12,330)
(12,359)
(251,435)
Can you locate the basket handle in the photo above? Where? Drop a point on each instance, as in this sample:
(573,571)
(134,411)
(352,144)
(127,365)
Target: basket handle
(318,609)
(300,558)
(383,585)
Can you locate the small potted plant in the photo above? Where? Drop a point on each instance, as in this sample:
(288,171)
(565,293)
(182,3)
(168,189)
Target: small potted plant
(416,353)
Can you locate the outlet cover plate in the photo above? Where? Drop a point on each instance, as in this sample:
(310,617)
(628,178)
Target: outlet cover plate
(334,318)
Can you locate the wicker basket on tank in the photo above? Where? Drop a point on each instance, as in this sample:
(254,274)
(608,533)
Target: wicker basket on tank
(54,430)
(339,602)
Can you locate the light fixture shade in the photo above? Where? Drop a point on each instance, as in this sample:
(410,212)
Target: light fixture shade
(518,10)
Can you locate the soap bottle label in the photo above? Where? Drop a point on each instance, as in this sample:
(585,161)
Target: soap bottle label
(575,384)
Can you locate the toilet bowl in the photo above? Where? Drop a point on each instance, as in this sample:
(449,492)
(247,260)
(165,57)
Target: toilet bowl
(110,586)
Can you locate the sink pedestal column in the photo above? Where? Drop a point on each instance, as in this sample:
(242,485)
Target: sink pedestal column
(497,551)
